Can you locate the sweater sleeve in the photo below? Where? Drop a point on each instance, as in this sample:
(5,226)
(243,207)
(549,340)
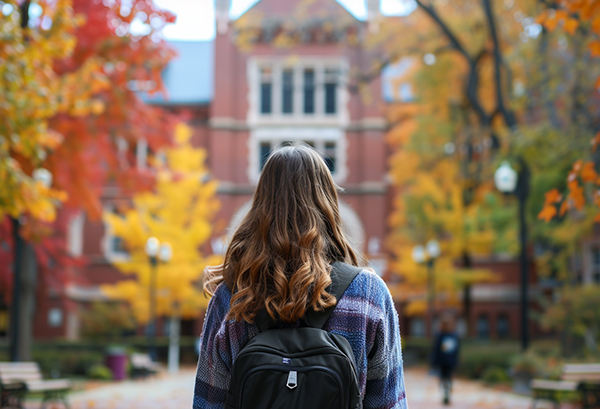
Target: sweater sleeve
(385,374)
(212,374)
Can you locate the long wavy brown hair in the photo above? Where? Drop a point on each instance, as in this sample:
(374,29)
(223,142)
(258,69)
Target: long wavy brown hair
(280,256)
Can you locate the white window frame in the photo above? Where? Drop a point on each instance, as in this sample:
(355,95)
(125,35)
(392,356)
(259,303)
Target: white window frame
(278,135)
(298,117)
(109,253)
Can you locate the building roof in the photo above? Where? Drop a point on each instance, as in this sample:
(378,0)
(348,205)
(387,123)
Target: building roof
(189,77)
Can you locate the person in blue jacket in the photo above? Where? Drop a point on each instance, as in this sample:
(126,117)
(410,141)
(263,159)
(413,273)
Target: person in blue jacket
(445,356)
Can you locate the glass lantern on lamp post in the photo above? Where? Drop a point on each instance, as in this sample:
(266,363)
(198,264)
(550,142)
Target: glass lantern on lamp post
(427,255)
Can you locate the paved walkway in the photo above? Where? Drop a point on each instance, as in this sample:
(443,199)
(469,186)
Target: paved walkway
(175,392)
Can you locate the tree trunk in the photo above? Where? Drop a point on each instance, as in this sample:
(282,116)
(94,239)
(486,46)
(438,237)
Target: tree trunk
(467,295)
(24,296)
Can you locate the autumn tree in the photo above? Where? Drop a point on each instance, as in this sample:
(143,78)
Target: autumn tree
(178,212)
(81,119)
(446,139)
(435,200)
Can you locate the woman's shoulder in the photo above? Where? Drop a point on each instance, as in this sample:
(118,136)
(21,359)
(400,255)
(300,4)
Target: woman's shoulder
(368,277)
(368,285)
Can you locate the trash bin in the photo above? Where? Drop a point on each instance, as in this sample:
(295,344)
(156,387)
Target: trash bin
(116,361)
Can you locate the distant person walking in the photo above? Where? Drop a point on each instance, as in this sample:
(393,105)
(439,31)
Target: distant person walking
(445,356)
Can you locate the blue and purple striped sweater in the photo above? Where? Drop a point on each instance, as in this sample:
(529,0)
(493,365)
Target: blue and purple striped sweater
(365,316)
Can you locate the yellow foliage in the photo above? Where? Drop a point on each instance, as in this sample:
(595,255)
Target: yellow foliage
(430,205)
(179,212)
(32,93)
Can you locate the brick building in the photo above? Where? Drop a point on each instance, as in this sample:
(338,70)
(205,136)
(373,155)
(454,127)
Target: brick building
(245,101)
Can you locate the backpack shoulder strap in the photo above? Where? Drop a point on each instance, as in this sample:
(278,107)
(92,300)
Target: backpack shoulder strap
(342,275)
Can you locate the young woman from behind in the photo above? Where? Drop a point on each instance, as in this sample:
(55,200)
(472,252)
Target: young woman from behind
(279,259)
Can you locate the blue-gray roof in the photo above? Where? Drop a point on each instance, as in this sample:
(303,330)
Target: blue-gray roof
(189,77)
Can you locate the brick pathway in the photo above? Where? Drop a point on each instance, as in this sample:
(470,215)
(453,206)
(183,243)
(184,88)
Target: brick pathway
(175,392)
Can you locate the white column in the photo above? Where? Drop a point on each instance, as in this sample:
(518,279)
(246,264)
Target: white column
(174,328)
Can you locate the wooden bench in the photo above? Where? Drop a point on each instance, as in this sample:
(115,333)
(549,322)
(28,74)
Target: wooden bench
(18,379)
(578,381)
(142,365)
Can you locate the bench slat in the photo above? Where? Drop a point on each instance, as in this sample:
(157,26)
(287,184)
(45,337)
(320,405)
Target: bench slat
(581,368)
(581,372)
(15,372)
(18,365)
(544,384)
(4,378)
(580,377)
(49,385)
(19,370)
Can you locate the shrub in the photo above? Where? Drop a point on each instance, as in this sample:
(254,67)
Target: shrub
(100,372)
(473,363)
(495,374)
(57,363)
(538,362)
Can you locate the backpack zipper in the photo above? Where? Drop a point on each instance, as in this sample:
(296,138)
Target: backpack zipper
(287,368)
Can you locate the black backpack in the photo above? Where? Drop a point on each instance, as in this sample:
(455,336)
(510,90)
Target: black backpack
(304,367)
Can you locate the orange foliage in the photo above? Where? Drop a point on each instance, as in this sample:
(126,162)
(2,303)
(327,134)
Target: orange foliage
(573,14)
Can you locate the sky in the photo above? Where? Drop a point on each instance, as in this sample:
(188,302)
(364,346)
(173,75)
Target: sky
(196,18)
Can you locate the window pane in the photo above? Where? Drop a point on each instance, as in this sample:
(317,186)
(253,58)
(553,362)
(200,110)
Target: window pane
(265,151)
(596,257)
(330,103)
(118,245)
(483,327)
(309,91)
(330,155)
(331,81)
(265,98)
(502,327)
(266,90)
(287,97)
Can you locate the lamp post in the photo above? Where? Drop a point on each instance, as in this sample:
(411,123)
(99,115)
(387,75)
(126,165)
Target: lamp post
(508,181)
(427,255)
(152,250)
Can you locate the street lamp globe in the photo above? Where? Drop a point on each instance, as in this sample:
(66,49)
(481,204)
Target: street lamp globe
(44,176)
(152,247)
(418,254)
(433,248)
(165,253)
(505,178)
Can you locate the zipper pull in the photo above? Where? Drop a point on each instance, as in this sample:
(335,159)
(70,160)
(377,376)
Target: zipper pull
(292,380)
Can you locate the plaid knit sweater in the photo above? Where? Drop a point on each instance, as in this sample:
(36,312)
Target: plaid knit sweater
(365,316)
